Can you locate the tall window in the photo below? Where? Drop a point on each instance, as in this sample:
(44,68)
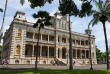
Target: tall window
(65,26)
(18,50)
(62,25)
(19,32)
(59,24)
(93,55)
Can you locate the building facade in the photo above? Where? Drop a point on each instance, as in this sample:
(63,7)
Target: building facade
(20,42)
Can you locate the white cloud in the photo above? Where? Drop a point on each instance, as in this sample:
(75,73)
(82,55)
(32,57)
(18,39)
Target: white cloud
(15,4)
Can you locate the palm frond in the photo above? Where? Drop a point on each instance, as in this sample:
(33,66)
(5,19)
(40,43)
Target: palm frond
(95,19)
(98,5)
(22,2)
(1,10)
(108,7)
(108,18)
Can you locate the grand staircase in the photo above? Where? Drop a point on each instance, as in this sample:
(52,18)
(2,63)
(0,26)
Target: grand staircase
(63,62)
(60,62)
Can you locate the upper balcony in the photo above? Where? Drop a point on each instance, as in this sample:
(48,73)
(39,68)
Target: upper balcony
(50,39)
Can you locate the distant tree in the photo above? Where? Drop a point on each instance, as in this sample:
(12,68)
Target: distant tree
(43,20)
(36,3)
(98,54)
(102,15)
(0,51)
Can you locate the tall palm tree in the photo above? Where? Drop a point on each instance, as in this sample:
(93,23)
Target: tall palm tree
(2,27)
(69,7)
(43,20)
(102,15)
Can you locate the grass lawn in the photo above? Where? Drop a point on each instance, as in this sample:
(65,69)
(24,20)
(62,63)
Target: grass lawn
(59,72)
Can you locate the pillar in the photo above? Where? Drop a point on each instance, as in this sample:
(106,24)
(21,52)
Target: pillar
(81,54)
(75,42)
(60,53)
(33,51)
(34,35)
(85,54)
(80,41)
(60,39)
(48,37)
(76,53)
(40,51)
(41,36)
(48,52)
(84,42)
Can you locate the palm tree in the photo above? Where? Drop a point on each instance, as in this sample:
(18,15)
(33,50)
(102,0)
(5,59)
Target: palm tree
(2,27)
(1,10)
(43,20)
(102,15)
(22,2)
(69,7)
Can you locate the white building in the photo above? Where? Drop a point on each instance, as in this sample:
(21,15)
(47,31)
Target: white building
(20,40)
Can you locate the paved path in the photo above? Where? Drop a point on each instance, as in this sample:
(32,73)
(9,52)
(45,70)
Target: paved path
(23,67)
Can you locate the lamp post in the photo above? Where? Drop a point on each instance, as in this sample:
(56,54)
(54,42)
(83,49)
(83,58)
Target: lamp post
(89,39)
(67,57)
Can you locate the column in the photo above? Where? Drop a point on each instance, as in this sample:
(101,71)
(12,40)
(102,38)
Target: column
(48,37)
(75,42)
(76,53)
(48,52)
(41,36)
(84,42)
(34,35)
(85,54)
(40,51)
(80,41)
(60,39)
(81,54)
(33,51)
(60,53)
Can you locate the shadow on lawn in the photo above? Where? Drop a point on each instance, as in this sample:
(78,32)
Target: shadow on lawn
(59,72)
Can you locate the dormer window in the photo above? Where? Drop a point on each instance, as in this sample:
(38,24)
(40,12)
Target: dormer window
(19,32)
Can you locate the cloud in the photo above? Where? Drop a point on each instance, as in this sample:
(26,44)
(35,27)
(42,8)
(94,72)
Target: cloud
(15,4)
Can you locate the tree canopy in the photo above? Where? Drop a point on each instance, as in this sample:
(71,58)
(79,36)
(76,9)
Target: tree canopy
(43,19)
(1,10)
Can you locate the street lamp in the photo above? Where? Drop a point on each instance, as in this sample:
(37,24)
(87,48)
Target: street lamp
(89,39)
(67,56)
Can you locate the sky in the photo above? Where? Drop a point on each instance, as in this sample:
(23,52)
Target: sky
(78,25)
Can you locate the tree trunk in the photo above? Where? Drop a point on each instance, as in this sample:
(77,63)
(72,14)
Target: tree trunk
(55,43)
(106,43)
(70,47)
(37,49)
(90,56)
(2,27)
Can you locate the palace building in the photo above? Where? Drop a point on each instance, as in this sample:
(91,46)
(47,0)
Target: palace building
(20,42)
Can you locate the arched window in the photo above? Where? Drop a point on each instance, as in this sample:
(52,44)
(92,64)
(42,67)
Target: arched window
(28,62)
(44,62)
(16,61)
(19,32)
(18,50)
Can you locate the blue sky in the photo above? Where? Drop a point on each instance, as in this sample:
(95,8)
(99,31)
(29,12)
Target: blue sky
(79,24)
